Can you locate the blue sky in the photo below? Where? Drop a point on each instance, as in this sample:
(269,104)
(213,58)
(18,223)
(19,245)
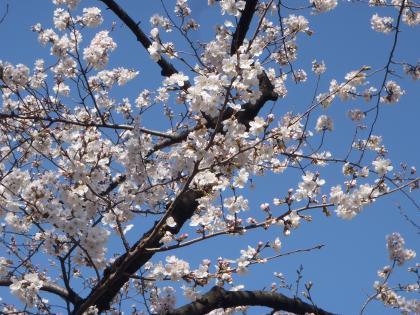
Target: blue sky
(344,270)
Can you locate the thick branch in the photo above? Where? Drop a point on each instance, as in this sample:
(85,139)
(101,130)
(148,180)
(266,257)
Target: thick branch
(118,274)
(243,25)
(245,116)
(51,288)
(218,297)
(167,68)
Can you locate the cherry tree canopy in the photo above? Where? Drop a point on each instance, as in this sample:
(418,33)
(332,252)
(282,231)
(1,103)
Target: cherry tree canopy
(113,193)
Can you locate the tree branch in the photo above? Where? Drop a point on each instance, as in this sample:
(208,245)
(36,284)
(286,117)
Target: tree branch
(245,116)
(243,25)
(218,297)
(85,124)
(5,13)
(167,69)
(51,288)
(119,272)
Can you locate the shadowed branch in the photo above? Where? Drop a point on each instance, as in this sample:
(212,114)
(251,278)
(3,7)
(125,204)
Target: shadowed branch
(218,297)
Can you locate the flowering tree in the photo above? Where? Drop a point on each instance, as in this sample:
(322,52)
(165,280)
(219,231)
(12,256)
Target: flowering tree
(92,189)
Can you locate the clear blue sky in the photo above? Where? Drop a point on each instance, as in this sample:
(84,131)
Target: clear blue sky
(343,272)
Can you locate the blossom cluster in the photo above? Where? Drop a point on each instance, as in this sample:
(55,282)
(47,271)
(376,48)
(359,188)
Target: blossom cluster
(397,252)
(387,294)
(350,204)
(27,288)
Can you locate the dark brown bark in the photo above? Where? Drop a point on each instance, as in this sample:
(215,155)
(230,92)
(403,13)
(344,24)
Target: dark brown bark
(218,297)
(243,25)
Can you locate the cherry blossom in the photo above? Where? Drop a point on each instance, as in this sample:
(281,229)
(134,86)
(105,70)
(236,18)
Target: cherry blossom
(382,166)
(394,92)
(97,53)
(27,288)
(381,24)
(232,7)
(110,175)
(324,123)
(92,17)
(323,5)
(397,252)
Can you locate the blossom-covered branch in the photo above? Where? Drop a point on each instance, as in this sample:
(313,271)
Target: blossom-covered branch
(45,286)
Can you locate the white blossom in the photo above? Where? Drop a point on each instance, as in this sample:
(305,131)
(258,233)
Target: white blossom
(397,252)
(394,93)
(318,67)
(241,179)
(62,19)
(245,259)
(323,5)
(411,17)
(84,160)
(324,123)
(92,17)
(390,298)
(374,3)
(236,204)
(182,9)
(356,114)
(171,222)
(382,24)
(292,220)
(27,289)
(300,75)
(355,78)
(382,166)
(143,99)
(257,125)
(97,54)
(176,78)
(62,89)
(158,20)
(72,4)
(276,245)
(167,238)
(310,187)
(163,300)
(325,99)
(4,265)
(232,7)
(155,50)
(296,24)
(350,204)
(413,71)
(16,77)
